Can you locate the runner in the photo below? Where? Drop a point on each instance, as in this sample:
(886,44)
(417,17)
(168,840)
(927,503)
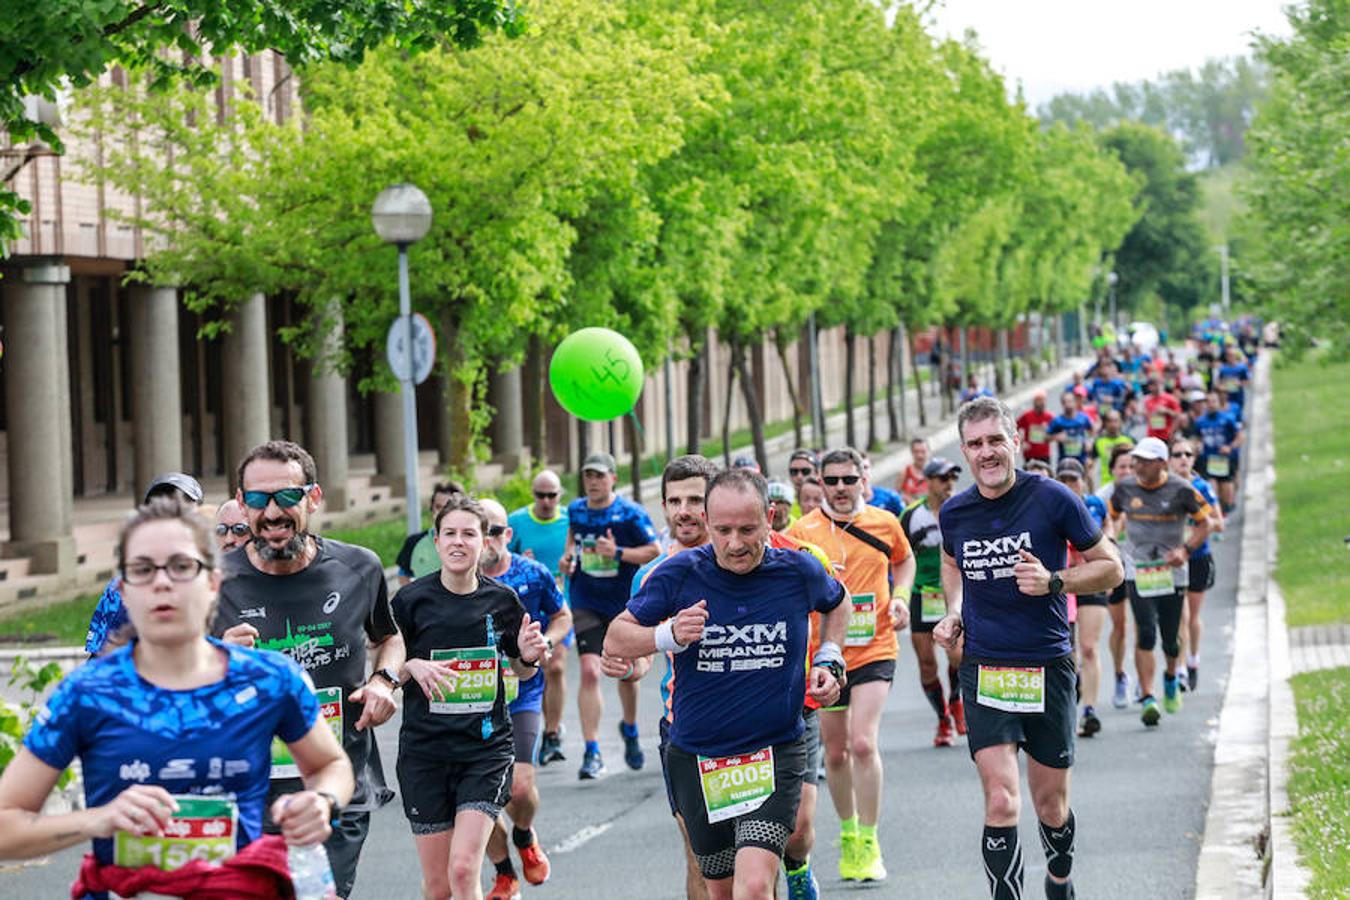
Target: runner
(417,556)
(1071,430)
(868,551)
(539,594)
(927,606)
(1005,585)
(324,604)
(878,496)
(1234,379)
(539,531)
(1033,429)
(231,526)
(171,730)
(1092,607)
(780,506)
(911,483)
(713,607)
(456,745)
(1122,464)
(608,537)
(1102,445)
(1156,505)
(1221,434)
(1108,390)
(1200,571)
(801,465)
(1161,408)
(811,495)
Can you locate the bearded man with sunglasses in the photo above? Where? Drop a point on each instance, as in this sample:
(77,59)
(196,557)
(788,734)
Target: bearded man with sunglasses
(324,604)
(871,556)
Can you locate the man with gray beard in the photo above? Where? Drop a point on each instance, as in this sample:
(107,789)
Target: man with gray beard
(324,604)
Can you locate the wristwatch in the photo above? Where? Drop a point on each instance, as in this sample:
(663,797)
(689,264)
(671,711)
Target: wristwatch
(1056,583)
(835,668)
(334,808)
(388,675)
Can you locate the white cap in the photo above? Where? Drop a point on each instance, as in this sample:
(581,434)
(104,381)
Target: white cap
(1150,448)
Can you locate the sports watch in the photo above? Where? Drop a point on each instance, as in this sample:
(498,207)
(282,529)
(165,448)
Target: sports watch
(1056,583)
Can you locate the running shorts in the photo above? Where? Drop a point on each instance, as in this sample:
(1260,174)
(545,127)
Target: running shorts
(1047,736)
(878,670)
(768,827)
(590,627)
(1120,593)
(1200,578)
(1101,599)
(435,788)
(815,750)
(663,750)
(916,623)
(526,727)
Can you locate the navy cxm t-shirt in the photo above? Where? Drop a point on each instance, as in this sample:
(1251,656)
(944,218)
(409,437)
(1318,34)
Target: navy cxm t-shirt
(985,538)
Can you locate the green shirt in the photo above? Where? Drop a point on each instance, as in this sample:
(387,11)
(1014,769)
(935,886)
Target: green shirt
(1101,448)
(925,539)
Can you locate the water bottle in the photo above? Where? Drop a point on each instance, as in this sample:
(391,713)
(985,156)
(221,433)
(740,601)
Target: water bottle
(311,875)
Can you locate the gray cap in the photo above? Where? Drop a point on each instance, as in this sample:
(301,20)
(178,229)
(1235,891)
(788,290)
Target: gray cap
(745,461)
(940,468)
(1070,466)
(599,462)
(178,481)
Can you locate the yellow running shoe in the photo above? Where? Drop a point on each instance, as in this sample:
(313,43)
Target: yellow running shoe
(868,859)
(848,856)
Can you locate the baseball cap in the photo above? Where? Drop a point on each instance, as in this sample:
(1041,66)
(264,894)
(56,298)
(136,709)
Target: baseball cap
(599,462)
(1069,466)
(745,462)
(806,455)
(1150,448)
(779,491)
(1195,395)
(175,481)
(940,468)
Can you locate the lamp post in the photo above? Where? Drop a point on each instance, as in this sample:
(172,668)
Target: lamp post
(1223,259)
(401,216)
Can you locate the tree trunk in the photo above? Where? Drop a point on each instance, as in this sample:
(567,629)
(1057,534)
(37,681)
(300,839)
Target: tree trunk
(738,362)
(918,383)
(963,337)
(797,410)
(872,442)
(458,397)
(1002,377)
(945,379)
(635,450)
(850,357)
(895,369)
(726,414)
(534,375)
(693,413)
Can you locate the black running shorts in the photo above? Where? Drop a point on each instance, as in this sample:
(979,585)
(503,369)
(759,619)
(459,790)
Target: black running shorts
(590,628)
(1047,736)
(437,786)
(878,670)
(1200,574)
(1093,600)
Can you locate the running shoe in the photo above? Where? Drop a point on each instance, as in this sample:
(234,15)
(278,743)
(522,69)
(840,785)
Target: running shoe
(592,766)
(632,750)
(957,710)
(1121,699)
(1183,681)
(870,867)
(943,738)
(506,887)
(533,863)
(1151,714)
(1171,696)
(1192,676)
(848,856)
(1090,724)
(802,884)
(550,750)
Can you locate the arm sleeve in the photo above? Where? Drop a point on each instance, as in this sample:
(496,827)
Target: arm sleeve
(54,737)
(299,705)
(655,600)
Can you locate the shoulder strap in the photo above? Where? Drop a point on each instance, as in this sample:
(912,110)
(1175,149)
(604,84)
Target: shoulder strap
(869,539)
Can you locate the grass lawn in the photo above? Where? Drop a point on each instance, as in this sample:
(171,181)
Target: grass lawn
(1312,480)
(1319,781)
(385,538)
(64,624)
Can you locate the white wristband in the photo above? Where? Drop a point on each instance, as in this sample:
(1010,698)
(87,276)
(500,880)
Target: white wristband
(665,638)
(829,652)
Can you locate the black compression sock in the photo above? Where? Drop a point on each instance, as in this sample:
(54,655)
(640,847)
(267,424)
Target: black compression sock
(1058,846)
(933,691)
(1002,862)
(505,868)
(791,864)
(522,837)
(954,681)
(1056,891)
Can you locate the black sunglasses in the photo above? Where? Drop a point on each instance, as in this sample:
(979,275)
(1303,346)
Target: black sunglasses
(545,495)
(1176,453)
(832,480)
(807,470)
(496,530)
(238,529)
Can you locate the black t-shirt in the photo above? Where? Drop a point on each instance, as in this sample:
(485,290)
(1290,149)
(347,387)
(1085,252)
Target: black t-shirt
(322,618)
(480,627)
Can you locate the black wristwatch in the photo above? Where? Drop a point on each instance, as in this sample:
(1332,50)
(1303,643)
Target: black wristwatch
(835,668)
(388,675)
(1056,583)
(334,807)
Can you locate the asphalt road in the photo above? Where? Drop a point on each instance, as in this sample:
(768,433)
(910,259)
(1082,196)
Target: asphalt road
(1139,797)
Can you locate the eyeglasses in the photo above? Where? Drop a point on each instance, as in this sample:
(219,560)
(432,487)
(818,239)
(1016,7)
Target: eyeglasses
(178,568)
(803,471)
(545,495)
(238,529)
(832,480)
(1187,453)
(284,498)
(496,530)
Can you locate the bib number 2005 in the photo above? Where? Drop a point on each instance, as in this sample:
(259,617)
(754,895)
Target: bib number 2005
(736,785)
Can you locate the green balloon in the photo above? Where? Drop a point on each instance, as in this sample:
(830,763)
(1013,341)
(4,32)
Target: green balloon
(596,374)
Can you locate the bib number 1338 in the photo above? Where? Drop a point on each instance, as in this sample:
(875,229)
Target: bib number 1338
(1018,689)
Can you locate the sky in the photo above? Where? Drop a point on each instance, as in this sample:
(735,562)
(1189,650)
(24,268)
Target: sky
(1054,46)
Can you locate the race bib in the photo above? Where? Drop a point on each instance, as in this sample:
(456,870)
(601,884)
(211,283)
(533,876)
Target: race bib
(1231,385)
(932,604)
(1217,466)
(1036,434)
(204,828)
(330,708)
(1153,578)
(735,785)
(1158,422)
(1073,446)
(472,687)
(510,682)
(1018,689)
(862,621)
(595,565)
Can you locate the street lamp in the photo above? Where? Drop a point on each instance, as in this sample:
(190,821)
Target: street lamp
(401,216)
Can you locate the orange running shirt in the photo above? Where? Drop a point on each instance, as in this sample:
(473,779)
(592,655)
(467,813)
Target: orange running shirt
(866,573)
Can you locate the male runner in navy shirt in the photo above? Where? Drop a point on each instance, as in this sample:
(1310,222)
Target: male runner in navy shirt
(1004,557)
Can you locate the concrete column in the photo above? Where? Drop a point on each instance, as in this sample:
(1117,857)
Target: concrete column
(508,426)
(247,394)
(389,443)
(37,384)
(156,399)
(327,426)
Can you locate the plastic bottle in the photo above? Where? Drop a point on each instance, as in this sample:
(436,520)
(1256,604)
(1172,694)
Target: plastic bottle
(311,874)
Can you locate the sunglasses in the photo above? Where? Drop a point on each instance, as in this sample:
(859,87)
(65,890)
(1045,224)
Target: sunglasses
(178,568)
(545,495)
(284,498)
(804,471)
(238,529)
(496,530)
(832,480)
(1186,453)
